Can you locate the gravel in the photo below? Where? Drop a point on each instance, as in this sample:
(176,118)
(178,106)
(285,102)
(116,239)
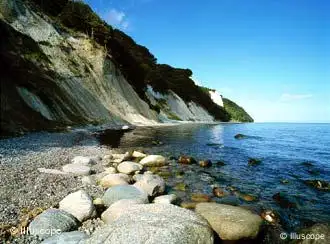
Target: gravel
(23,188)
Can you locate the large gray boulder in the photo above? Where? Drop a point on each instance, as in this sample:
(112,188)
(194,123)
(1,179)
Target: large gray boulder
(154,223)
(52,222)
(79,204)
(73,237)
(151,184)
(117,193)
(230,222)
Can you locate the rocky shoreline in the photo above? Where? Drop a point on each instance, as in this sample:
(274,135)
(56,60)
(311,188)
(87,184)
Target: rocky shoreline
(68,185)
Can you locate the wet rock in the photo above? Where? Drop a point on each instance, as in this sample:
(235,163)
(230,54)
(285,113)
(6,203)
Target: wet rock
(52,222)
(189,205)
(79,204)
(153,185)
(119,192)
(82,160)
(165,199)
(220,163)
(318,184)
(186,160)
(114,180)
(254,161)
(230,223)
(77,169)
(200,197)
(246,197)
(137,154)
(179,174)
(230,200)
(218,192)
(181,186)
(283,200)
(270,216)
(155,223)
(240,136)
(307,164)
(73,237)
(205,163)
(153,160)
(128,167)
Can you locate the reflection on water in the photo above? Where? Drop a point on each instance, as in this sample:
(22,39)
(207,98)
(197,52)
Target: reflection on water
(281,147)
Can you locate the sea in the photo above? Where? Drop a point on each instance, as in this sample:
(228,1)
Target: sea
(289,155)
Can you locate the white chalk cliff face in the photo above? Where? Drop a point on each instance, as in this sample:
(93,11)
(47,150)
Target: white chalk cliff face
(174,108)
(76,81)
(216,98)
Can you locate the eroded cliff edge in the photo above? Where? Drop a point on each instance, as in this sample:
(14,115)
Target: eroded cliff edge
(62,65)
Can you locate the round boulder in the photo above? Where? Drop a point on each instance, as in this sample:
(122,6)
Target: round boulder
(230,222)
(52,222)
(73,237)
(117,193)
(153,185)
(114,180)
(154,223)
(128,167)
(153,160)
(79,204)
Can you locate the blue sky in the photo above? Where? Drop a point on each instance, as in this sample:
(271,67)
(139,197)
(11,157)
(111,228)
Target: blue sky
(270,56)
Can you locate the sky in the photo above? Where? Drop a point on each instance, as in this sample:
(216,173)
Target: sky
(272,57)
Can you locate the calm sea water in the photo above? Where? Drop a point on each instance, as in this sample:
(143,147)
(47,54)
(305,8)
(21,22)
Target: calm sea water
(282,147)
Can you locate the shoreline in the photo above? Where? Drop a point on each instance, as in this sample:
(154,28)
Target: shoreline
(24,188)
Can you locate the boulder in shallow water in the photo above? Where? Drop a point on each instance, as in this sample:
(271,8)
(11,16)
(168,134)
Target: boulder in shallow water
(153,160)
(254,161)
(186,160)
(114,180)
(231,223)
(52,222)
(79,204)
(77,169)
(154,223)
(218,192)
(73,237)
(240,136)
(128,167)
(152,184)
(200,197)
(205,163)
(283,200)
(117,193)
(318,184)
